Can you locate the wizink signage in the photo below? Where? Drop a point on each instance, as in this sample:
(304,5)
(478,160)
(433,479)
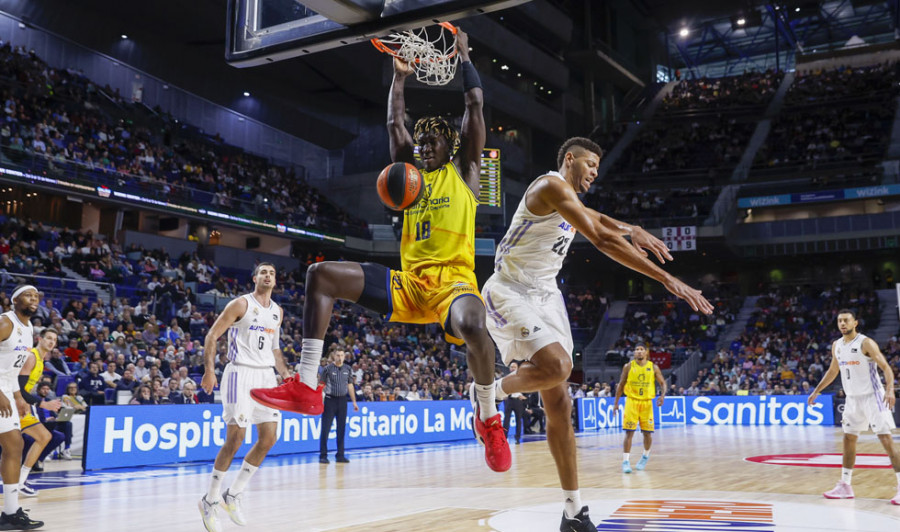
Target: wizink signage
(595,413)
(127,436)
(820,196)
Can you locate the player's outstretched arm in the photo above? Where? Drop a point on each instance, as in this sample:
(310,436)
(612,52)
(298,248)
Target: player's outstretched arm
(233,312)
(620,387)
(559,196)
(640,238)
(472,135)
(871,349)
(400,139)
(828,378)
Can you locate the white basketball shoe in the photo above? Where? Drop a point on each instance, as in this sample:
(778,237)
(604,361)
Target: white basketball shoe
(208,510)
(232,505)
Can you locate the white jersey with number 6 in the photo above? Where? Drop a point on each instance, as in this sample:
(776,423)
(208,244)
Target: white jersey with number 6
(859,373)
(533,250)
(252,338)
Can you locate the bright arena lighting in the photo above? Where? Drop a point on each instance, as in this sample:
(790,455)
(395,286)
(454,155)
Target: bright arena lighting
(741,21)
(246,94)
(684,32)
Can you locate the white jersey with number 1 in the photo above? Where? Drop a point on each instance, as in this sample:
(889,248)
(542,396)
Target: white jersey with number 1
(859,373)
(252,339)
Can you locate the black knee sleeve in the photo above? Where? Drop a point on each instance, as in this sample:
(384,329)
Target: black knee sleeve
(376,293)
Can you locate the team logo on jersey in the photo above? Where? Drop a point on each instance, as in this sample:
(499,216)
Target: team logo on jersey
(525,332)
(255,311)
(19,331)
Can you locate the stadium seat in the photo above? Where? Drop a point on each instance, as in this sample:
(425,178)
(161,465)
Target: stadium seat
(61,382)
(110,394)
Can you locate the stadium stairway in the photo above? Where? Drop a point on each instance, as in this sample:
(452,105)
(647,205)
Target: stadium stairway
(762,129)
(734,331)
(608,333)
(632,131)
(86,285)
(890,321)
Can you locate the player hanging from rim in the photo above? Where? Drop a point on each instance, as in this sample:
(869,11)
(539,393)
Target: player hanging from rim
(526,311)
(638,382)
(16,340)
(253,322)
(437,282)
(869,402)
(29,375)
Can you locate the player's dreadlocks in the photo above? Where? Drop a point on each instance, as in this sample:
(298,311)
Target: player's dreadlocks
(442,127)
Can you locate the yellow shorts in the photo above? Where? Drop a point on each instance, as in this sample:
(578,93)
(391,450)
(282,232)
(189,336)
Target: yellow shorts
(29,420)
(638,412)
(427,295)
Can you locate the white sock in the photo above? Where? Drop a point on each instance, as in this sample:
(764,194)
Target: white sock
(247,470)
(646,453)
(498,390)
(573,502)
(10,498)
(487,400)
(310,356)
(846,475)
(626,457)
(23,475)
(215,485)
(898,478)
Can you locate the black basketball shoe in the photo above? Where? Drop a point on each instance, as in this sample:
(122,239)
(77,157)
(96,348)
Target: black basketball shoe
(581,523)
(18,521)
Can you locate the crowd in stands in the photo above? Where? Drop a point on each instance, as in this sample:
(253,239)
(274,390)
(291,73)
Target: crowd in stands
(708,145)
(785,347)
(652,208)
(834,117)
(60,123)
(748,89)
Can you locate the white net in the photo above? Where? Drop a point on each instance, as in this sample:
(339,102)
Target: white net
(432,57)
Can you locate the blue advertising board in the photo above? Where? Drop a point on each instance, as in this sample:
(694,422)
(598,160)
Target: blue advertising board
(128,436)
(820,196)
(596,413)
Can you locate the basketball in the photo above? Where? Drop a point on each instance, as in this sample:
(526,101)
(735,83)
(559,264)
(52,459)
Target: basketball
(400,186)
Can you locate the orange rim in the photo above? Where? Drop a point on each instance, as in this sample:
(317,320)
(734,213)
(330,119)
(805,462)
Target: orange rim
(386,49)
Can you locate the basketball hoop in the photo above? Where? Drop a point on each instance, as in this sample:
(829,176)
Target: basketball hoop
(432,55)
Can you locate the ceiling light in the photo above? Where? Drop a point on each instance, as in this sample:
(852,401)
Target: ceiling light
(684,32)
(797,10)
(741,21)
(504,67)
(124,36)
(246,94)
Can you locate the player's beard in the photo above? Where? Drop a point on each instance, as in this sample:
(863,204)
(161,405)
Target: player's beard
(27,312)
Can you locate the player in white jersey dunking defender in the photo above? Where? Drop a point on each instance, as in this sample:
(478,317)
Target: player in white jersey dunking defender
(526,313)
(869,402)
(16,341)
(253,322)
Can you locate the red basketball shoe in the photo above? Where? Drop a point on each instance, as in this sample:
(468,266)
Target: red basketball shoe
(490,433)
(293,396)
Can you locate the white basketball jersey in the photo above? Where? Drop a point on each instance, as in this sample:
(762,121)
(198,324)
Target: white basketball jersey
(533,250)
(252,338)
(859,373)
(14,351)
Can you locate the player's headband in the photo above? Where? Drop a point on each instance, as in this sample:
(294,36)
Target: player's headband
(18,292)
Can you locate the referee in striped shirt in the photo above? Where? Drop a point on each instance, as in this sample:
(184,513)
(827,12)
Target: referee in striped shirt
(337,379)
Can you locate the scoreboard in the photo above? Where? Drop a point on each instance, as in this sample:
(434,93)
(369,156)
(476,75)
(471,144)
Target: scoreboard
(490,194)
(680,238)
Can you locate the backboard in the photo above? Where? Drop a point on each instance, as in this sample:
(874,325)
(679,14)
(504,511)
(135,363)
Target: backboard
(265,31)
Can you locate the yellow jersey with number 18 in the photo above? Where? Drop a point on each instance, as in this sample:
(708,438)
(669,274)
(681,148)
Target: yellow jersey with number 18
(641,383)
(440,229)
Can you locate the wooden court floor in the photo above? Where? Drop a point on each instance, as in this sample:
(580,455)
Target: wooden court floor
(448,488)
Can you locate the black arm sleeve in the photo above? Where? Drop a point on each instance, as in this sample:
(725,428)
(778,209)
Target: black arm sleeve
(30,399)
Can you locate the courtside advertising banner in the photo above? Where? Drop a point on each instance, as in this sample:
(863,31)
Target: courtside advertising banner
(136,435)
(596,413)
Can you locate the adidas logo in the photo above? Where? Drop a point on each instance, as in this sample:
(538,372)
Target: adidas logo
(536,329)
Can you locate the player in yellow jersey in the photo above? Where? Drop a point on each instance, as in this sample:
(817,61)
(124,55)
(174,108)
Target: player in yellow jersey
(29,376)
(437,283)
(638,382)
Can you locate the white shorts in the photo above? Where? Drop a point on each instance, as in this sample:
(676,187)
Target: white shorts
(238,408)
(12,422)
(523,322)
(864,412)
